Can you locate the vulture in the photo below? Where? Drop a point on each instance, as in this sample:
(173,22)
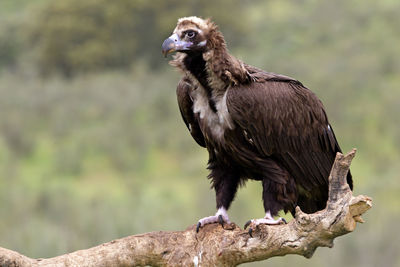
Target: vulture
(254,124)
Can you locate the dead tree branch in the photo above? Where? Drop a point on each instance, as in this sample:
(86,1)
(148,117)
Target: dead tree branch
(215,246)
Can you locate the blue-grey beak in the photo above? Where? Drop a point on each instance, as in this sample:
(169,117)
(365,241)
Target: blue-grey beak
(173,43)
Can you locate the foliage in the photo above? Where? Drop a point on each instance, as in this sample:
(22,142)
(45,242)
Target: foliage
(103,153)
(80,36)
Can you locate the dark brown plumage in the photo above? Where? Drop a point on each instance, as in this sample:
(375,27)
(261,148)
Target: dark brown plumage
(254,124)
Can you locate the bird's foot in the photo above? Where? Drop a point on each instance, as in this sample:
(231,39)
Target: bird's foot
(220,217)
(268,219)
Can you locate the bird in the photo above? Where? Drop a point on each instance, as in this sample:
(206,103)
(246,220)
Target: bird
(255,125)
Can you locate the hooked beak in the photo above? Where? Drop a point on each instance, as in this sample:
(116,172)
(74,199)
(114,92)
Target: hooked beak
(173,43)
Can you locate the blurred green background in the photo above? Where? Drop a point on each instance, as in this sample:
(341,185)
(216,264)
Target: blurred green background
(92,145)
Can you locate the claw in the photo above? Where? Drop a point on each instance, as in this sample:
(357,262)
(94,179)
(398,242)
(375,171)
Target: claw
(251,232)
(250,229)
(221,221)
(283,220)
(247,224)
(198,227)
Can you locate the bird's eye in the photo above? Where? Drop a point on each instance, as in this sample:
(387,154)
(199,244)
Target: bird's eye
(191,34)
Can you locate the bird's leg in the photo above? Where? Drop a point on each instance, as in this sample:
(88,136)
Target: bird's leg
(220,217)
(225,182)
(271,206)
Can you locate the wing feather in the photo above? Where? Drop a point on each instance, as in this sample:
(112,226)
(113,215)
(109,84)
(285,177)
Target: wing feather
(286,121)
(186,108)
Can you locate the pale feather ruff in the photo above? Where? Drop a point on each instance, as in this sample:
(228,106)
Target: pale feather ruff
(196,20)
(216,122)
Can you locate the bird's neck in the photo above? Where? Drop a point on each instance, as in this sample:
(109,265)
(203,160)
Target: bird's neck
(216,70)
(195,64)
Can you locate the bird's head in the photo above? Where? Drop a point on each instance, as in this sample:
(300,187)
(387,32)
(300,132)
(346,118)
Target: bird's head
(192,34)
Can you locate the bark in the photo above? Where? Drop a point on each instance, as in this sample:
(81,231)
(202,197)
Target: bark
(228,246)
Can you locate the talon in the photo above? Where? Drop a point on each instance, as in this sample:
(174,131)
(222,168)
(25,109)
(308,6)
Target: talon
(247,224)
(283,220)
(251,232)
(220,217)
(221,221)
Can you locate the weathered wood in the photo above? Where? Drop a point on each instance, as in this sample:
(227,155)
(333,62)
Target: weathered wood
(215,246)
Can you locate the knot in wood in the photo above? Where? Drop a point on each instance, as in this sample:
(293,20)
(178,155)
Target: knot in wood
(303,219)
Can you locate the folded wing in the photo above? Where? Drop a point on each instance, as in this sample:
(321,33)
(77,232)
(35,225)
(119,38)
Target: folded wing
(288,123)
(186,108)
